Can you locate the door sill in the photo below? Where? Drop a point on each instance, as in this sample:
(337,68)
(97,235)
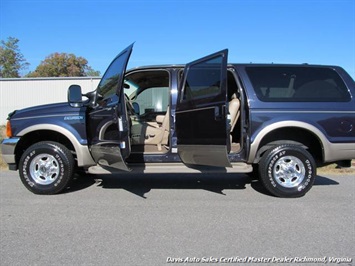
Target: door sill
(173,168)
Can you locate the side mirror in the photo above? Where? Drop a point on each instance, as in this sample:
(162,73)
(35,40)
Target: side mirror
(75,96)
(136,108)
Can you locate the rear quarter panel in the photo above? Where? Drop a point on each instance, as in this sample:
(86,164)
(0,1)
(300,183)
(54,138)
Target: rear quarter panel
(332,122)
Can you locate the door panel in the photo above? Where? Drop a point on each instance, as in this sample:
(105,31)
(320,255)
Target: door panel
(108,125)
(201,114)
(108,156)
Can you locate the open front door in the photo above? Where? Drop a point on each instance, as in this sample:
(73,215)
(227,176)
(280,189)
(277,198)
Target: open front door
(108,124)
(201,113)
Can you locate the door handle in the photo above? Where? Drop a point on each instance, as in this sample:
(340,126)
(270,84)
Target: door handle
(218,115)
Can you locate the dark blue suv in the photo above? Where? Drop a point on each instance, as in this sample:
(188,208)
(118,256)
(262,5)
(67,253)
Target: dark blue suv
(281,120)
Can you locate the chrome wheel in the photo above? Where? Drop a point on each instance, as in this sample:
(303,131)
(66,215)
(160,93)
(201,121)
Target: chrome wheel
(289,171)
(44,169)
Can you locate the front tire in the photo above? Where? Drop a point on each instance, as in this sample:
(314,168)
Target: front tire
(287,171)
(46,167)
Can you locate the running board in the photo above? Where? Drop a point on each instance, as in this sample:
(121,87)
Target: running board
(172,168)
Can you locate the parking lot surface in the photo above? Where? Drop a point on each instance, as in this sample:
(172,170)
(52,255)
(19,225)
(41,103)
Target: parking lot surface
(176,219)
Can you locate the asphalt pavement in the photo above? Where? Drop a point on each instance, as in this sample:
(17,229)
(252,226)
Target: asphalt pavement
(179,219)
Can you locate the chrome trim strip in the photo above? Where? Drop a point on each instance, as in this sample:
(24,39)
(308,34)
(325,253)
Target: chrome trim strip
(195,110)
(303,111)
(43,116)
(84,157)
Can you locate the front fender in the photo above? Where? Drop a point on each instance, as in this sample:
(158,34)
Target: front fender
(84,157)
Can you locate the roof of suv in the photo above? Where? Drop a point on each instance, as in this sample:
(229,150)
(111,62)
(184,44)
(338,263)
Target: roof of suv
(165,66)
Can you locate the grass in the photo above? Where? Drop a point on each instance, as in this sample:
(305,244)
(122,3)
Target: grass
(329,169)
(333,169)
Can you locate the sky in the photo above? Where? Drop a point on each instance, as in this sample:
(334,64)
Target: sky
(180,31)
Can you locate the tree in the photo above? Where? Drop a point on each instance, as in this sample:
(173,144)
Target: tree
(11,59)
(92,73)
(63,65)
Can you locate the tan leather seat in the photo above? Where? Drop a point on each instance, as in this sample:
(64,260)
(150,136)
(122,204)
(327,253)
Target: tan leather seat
(152,133)
(234,111)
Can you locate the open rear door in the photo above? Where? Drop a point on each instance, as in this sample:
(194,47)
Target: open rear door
(201,112)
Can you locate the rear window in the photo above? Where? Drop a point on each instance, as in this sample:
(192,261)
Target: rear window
(297,84)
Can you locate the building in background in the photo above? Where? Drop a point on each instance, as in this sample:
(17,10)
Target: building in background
(18,93)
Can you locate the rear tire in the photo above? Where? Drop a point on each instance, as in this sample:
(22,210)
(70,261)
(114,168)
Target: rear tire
(287,171)
(46,167)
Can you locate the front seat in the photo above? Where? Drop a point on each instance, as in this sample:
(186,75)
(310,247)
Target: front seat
(152,133)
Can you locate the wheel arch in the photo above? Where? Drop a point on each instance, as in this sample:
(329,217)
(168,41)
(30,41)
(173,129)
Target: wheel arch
(50,132)
(300,133)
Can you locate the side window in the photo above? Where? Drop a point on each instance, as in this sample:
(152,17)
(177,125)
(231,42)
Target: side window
(150,89)
(203,80)
(153,100)
(297,84)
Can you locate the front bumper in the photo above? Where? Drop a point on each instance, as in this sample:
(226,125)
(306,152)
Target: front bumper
(8,152)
